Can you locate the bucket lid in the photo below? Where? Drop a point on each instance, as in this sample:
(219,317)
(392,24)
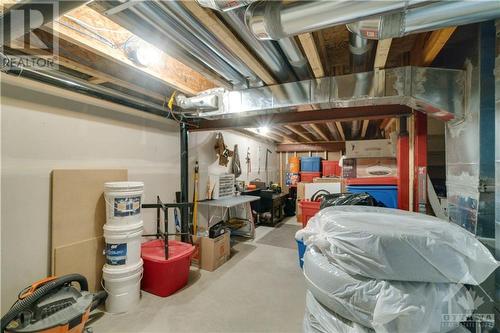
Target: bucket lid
(122,270)
(123,186)
(121,228)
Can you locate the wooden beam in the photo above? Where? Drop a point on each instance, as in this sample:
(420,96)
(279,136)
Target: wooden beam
(168,69)
(97,80)
(312,54)
(364,128)
(299,133)
(315,146)
(297,118)
(95,74)
(226,37)
(384,123)
(251,134)
(320,132)
(383,48)
(333,131)
(286,135)
(389,124)
(340,129)
(435,44)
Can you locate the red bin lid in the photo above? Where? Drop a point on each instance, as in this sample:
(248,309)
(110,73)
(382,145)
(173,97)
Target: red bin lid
(155,251)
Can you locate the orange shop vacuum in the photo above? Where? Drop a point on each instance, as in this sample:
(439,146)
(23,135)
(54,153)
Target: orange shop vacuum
(52,305)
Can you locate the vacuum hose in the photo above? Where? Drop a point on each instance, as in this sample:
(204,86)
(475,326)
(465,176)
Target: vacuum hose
(25,303)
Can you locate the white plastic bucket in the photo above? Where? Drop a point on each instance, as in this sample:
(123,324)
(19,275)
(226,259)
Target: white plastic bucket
(123,244)
(123,285)
(123,202)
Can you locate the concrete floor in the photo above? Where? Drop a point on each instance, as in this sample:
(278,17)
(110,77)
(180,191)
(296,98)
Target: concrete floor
(260,289)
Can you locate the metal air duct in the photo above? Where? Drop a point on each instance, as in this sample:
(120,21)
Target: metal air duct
(276,20)
(438,92)
(426,18)
(224,5)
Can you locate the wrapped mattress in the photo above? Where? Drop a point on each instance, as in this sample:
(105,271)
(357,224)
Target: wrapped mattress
(391,244)
(386,306)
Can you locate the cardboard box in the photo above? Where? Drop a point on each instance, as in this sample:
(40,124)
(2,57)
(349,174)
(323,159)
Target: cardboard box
(301,190)
(298,211)
(214,251)
(369,167)
(313,188)
(327,180)
(370,148)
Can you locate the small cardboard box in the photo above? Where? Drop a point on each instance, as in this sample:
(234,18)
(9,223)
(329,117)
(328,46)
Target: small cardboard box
(214,251)
(298,211)
(301,190)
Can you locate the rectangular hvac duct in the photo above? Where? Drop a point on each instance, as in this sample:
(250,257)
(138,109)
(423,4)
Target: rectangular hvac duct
(438,92)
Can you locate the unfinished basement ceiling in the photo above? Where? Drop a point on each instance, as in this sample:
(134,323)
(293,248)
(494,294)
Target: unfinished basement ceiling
(199,49)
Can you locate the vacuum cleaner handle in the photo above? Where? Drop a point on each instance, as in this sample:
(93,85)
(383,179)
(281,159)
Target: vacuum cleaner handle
(41,290)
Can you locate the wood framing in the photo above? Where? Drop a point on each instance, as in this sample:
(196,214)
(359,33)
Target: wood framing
(333,131)
(364,128)
(306,117)
(226,37)
(316,146)
(320,132)
(297,131)
(168,69)
(312,54)
(435,44)
(338,124)
(382,53)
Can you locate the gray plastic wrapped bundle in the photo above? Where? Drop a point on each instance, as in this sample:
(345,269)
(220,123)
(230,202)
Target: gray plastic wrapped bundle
(386,306)
(391,244)
(318,319)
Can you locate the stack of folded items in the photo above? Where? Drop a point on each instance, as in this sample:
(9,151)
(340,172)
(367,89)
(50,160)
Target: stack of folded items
(386,270)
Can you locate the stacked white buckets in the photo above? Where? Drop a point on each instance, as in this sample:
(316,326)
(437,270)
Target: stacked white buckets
(122,272)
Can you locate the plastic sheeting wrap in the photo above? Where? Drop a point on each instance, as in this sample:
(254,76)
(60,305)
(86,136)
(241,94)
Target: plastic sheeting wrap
(391,244)
(386,306)
(320,320)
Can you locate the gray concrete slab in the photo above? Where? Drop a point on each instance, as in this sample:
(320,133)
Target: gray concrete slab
(260,289)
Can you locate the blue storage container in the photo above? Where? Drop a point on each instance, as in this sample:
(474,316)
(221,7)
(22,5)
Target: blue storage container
(302,249)
(310,164)
(387,194)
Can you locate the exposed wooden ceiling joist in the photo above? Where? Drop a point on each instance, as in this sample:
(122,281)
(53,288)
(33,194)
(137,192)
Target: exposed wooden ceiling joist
(168,70)
(216,27)
(312,54)
(364,128)
(382,53)
(435,44)
(333,131)
(299,132)
(320,132)
(338,124)
(315,146)
(289,135)
(306,117)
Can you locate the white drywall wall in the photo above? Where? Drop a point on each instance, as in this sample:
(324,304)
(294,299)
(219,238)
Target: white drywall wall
(201,149)
(42,132)
(45,128)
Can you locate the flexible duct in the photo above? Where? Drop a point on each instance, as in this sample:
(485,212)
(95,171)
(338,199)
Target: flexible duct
(275,20)
(185,19)
(426,18)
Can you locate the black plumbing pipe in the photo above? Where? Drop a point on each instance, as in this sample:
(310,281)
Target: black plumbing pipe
(184,182)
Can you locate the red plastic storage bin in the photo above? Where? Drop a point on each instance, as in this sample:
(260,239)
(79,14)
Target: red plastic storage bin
(307,177)
(309,209)
(331,169)
(164,277)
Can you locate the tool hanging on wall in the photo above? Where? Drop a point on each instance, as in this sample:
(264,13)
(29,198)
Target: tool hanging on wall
(195,196)
(221,150)
(236,164)
(258,157)
(267,173)
(249,162)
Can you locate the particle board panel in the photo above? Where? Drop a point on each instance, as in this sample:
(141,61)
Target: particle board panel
(78,213)
(85,257)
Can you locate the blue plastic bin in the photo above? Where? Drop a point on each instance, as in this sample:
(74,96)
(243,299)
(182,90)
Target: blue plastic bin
(310,164)
(387,194)
(302,249)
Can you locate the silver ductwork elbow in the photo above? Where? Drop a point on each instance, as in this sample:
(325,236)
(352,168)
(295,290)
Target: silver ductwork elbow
(263,20)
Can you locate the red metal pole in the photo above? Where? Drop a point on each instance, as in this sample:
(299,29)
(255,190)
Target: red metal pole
(403,156)
(420,180)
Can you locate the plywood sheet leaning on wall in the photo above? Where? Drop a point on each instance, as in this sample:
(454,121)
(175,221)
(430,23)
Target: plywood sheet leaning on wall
(78,215)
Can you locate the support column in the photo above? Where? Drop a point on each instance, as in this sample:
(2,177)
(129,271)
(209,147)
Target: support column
(184,182)
(403,156)
(420,178)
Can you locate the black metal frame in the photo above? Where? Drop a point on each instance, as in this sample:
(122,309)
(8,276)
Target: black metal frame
(159,205)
